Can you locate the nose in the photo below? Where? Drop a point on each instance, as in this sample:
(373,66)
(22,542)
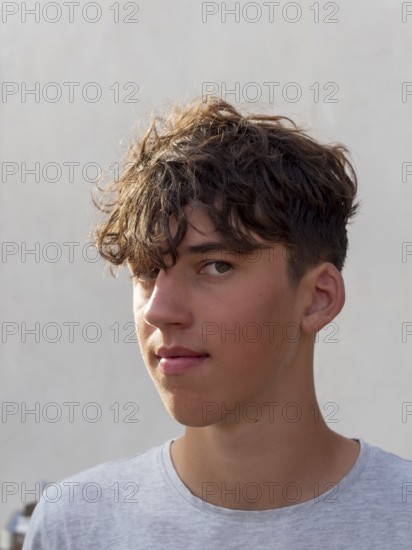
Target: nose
(168,303)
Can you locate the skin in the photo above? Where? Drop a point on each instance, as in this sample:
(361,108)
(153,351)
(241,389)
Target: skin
(190,304)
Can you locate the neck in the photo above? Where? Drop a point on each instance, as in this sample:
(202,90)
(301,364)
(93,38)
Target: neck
(273,454)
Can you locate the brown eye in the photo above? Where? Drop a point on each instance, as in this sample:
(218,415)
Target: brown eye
(220,267)
(145,277)
(149,275)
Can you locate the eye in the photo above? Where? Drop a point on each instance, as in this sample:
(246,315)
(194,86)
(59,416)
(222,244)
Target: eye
(146,277)
(220,266)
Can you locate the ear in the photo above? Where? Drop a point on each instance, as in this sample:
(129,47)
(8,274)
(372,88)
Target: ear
(325,291)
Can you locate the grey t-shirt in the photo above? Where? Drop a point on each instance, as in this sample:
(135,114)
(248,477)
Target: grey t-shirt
(140,502)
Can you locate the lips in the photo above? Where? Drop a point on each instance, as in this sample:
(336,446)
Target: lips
(179,351)
(178,360)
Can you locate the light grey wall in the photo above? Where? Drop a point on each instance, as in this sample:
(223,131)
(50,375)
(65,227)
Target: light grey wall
(170,53)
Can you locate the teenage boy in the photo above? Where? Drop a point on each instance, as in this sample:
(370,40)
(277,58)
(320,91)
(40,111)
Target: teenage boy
(234,230)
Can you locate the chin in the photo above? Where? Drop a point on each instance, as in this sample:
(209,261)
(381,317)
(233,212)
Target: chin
(190,413)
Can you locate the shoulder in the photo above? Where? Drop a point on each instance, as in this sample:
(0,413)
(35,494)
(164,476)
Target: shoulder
(388,473)
(115,469)
(386,462)
(90,497)
(104,479)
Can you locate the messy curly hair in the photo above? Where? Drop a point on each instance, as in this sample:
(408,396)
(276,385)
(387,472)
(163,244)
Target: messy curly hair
(252,172)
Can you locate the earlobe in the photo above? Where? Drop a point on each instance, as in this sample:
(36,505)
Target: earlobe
(326,291)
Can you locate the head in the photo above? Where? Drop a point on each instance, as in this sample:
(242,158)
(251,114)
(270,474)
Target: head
(276,200)
(251,173)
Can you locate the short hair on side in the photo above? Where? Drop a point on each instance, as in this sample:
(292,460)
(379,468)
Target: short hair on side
(252,172)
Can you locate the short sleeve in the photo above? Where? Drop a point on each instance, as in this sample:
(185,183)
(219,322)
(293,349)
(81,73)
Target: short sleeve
(36,537)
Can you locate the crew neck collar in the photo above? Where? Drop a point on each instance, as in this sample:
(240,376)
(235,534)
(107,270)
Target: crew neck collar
(260,515)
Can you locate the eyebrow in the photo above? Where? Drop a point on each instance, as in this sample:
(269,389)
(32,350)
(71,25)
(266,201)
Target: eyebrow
(213,246)
(203,248)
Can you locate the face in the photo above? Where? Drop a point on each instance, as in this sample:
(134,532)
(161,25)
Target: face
(240,311)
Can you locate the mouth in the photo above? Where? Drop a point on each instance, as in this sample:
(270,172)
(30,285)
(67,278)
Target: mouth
(177,356)
(178,351)
(178,361)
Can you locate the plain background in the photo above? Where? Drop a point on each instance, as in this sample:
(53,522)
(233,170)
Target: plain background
(170,53)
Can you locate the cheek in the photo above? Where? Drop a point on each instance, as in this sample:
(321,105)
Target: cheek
(250,335)
(248,320)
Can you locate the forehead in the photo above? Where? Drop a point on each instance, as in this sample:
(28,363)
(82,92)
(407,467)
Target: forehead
(199,223)
(201,237)
(200,226)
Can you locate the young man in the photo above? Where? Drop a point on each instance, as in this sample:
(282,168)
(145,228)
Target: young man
(234,230)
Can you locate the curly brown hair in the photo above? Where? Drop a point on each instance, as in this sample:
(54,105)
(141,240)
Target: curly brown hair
(252,172)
